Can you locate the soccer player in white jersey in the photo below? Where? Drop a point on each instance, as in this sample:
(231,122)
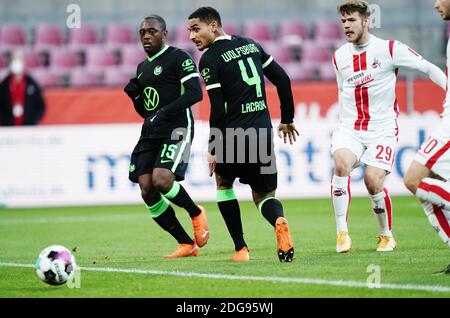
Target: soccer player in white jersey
(429,172)
(366,71)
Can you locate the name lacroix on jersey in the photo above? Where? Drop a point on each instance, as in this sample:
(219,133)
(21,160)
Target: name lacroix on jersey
(235,65)
(161,78)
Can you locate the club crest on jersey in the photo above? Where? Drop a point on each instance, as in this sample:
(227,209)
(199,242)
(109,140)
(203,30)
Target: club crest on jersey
(158,70)
(376,64)
(151,98)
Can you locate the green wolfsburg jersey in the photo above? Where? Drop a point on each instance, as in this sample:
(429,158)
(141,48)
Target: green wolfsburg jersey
(235,64)
(161,78)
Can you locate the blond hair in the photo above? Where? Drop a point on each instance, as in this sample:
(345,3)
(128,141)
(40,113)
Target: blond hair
(351,6)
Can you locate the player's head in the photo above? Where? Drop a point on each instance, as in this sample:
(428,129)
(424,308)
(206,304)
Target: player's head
(443,7)
(153,34)
(204,27)
(355,18)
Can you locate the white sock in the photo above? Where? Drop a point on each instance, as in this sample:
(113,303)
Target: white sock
(434,191)
(341,197)
(382,208)
(439,220)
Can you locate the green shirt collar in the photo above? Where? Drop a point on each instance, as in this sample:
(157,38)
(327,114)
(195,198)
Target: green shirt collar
(151,59)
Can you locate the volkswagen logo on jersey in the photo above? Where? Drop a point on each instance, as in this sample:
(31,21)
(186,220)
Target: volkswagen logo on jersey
(151,98)
(158,70)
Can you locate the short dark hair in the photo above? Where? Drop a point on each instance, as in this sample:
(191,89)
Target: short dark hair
(206,14)
(158,18)
(351,6)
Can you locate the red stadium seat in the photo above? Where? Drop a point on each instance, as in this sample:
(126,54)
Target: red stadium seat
(300,71)
(280,53)
(292,32)
(32,59)
(132,55)
(82,37)
(259,31)
(230,28)
(80,77)
(117,76)
(117,34)
(182,33)
(11,36)
(48,35)
(45,77)
(98,58)
(61,60)
(328,29)
(315,52)
(326,71)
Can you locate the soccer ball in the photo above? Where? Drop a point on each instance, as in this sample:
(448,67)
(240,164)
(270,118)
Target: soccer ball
(55,265)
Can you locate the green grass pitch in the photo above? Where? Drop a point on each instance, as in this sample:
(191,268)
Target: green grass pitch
(125,237)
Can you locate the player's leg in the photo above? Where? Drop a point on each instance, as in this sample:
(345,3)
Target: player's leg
(346,149)
(170,167)
(272,210)
(165,183)
(344,161)
(379,158)
(381,206)
(164,215)
(231,213)
(430,189)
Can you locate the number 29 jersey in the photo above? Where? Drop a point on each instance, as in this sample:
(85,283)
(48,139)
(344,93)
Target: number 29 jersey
(235,64)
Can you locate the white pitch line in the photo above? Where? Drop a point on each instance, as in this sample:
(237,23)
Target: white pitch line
(311,281)
(71,219)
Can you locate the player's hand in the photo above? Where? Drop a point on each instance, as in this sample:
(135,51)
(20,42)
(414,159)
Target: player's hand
(212,161)
(132,88)
(288,131)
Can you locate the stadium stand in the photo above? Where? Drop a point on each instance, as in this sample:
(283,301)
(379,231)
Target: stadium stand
(117,34)
(12,36)
(327,29)
(292,32)
(81,77)
(259,31)
(47,36)
(82,37)
(113,49)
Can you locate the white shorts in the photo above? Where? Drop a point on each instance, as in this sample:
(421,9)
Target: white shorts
(372,148)
(434,152)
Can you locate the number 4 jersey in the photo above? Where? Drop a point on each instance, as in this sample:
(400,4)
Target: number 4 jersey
(235,64)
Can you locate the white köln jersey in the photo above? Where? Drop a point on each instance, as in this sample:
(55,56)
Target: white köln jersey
(446,111)
(367,76)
